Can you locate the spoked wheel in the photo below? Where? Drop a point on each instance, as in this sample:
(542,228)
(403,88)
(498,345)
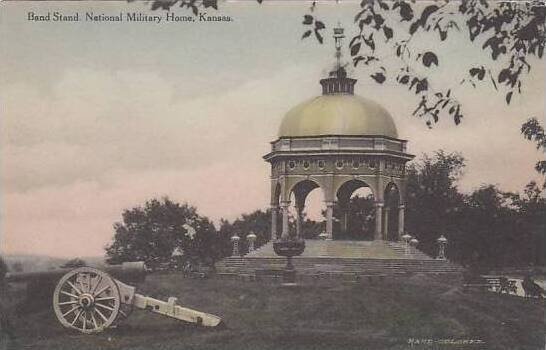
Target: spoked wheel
(86,299)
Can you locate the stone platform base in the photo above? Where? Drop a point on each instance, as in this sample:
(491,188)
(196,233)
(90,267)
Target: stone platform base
(339,258)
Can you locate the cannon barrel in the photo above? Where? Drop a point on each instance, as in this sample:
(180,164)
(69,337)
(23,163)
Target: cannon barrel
(40,284)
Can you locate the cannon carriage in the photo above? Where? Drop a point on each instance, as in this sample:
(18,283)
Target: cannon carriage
(91,300)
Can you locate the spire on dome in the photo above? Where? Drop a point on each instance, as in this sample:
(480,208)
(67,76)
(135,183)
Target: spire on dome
(337,81)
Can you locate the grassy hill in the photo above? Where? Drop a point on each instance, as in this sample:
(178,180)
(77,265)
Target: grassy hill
(321,315)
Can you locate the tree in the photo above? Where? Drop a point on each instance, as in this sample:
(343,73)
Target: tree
(533,131)
(433,199)
(3,271)
(257,222)
(512,32)
(152,232)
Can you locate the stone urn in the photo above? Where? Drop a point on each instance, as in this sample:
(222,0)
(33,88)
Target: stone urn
(289,248)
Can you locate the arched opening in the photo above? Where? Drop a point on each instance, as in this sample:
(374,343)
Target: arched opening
(314,214)
(354,211)
(303,201)
(391,212)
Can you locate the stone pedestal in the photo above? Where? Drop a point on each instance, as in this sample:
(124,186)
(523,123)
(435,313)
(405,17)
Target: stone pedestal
(235,241)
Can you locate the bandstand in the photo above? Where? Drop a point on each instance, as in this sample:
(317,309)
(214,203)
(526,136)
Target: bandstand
(338,142)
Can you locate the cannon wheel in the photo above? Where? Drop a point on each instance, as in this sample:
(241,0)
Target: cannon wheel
(87,299)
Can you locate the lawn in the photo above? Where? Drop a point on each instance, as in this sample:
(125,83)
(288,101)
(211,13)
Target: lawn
(321,315)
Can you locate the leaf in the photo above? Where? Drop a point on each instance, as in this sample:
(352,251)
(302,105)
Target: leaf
(319,25)
(357,59)
(195,10)
(368,19)
(493,81)
(388,32)
(457,119)
(307,19)
(379,20)
(378,77)
(359,14)
(404,79)
(508,97)
(318,36)
(427,12)
(406,12)
(355,49)
(370,42)
(210,3)
(422,85)
(383,5)
(474,71)
(413,82)
(430,58)
(156,5)
(504,75)
(306,34)
(414,26)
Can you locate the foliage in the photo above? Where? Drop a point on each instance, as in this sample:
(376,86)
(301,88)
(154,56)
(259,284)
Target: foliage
(192,5)
(257,222)
(74,263)
(433,199)
(3,271)
(361,212)
(511,32)
(151,233)
(488,227)
(533,131)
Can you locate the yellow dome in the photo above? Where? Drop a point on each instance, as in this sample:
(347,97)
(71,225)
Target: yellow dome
(342,114)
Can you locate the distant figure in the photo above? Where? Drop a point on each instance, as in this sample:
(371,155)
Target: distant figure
(531,288)
(187,268)
(507,286)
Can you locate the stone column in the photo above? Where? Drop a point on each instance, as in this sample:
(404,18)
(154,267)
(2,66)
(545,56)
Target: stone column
(386,224)
(401,210)
(274,212)
(299,211)
(285,234)
(329,220)
(343,220)
(378,217)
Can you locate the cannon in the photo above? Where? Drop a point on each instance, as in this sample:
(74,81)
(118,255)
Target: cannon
(90,300)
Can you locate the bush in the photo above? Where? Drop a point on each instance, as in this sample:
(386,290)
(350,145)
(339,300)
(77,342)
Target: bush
(3,271)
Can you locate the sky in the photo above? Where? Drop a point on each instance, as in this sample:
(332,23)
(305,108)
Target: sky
(100,117)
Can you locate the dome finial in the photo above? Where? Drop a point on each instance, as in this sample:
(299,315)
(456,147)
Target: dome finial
(338,82)
(338,38)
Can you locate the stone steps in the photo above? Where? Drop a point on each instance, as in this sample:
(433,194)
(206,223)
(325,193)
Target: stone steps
(316,265)
(341,257)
